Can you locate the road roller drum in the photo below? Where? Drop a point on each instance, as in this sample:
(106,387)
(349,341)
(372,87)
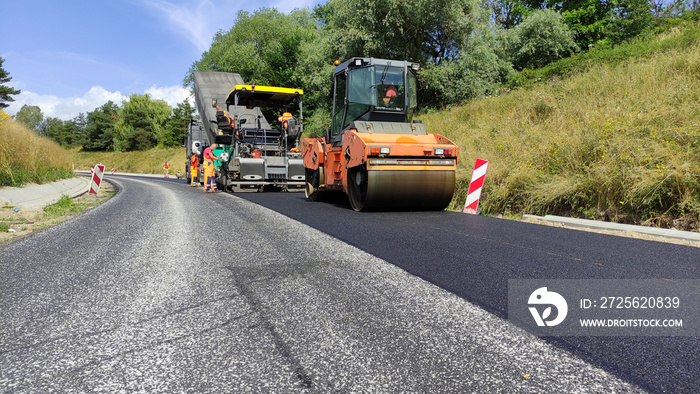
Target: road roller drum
(400,189)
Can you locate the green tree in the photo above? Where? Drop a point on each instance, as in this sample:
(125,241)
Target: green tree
(508,13)
(79,122)
(587,19)
(630,18)
(67,133)
(540,39)
(31,116)
(141,123)
(313,74)
(5,91)
(176,125)
(483,64)
(54,129)
(416,30)
(263,47)
(100,132)
(323,14)
(592,21)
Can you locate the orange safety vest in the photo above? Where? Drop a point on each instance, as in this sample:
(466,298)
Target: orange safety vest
(194,161)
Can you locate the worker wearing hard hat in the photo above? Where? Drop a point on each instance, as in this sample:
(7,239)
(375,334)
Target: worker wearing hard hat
(209,170)
(287,122)
(194,169)
(285,116)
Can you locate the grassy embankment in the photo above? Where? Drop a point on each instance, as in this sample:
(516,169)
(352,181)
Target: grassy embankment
(140,162)
(615,139)
(28,158)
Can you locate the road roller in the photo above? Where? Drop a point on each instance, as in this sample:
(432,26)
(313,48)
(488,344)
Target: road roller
(374,151)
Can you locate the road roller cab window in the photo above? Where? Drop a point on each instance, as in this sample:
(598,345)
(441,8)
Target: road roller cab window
(338,106)
(380,92)
(390,89)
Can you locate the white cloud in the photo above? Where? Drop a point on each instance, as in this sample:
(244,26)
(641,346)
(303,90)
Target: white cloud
(66,108)
(197,21)
(173,95)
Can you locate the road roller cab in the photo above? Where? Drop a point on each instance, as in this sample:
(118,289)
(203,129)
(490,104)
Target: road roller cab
(374,151)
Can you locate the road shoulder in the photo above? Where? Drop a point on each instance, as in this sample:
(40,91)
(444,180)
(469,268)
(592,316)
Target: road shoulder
(17,221)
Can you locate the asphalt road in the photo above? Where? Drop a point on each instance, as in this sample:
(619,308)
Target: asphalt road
(474,257)
(166,289)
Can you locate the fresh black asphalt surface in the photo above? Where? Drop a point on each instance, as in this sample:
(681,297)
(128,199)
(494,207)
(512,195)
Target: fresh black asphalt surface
(474,257)
(166,289)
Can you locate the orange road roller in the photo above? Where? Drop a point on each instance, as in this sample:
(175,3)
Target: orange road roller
(374,152)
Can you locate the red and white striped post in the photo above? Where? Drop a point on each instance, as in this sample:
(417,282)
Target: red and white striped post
(99,170)
(475,186)
(112,170)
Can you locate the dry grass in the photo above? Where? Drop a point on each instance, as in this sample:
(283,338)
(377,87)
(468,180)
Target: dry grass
(28,158)
(140,162)
(619,144)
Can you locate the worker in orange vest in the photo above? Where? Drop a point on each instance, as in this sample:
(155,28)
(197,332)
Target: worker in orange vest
(209,170)
(287,123)
(284,120)
(229,118)
(194,169)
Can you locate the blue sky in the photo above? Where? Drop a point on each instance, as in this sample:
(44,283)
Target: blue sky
(72,56)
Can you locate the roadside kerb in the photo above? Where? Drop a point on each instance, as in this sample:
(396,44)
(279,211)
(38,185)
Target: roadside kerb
(594,224)
(39,196)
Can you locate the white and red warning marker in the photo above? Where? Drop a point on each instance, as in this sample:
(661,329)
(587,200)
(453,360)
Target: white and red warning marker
(98,171)
(112,170)
(475,186)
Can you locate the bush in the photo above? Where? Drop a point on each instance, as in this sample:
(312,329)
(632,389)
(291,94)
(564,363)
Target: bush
(541,39)
(673,37)
(481,68)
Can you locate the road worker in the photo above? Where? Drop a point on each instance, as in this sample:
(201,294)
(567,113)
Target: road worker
(389,95)
(194,169)
(285,116)
(209,170)
(286,121)
(166,167)
(222,115)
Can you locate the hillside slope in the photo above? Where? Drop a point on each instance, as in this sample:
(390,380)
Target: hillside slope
(615,142)
(28,158)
